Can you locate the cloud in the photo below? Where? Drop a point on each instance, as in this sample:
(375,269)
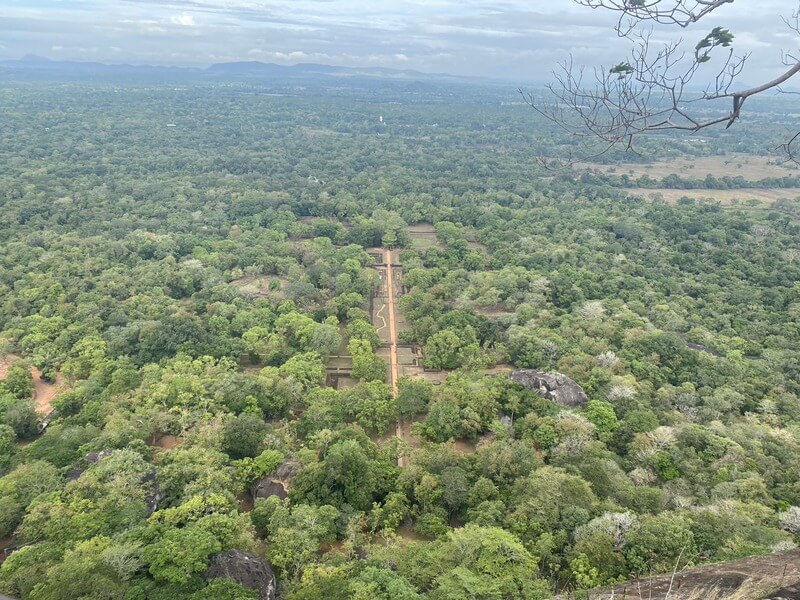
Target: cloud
(516,39)
(184,20)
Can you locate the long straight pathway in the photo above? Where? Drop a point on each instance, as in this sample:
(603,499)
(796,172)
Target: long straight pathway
(387,259)
(393,362)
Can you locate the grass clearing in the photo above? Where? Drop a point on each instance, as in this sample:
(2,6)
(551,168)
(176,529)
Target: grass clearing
(763,196)
(262,286)
(423,236)
(752,168)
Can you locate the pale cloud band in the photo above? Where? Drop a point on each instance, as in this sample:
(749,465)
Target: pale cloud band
(517,39)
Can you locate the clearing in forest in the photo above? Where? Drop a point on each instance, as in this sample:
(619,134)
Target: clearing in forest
(423,236)
(262,286)
(751,168)
(166,441)
(43,391)
(763,196)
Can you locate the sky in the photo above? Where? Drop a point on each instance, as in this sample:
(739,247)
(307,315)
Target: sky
(510,39)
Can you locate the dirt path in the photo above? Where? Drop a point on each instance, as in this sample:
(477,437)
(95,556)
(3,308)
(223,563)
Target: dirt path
(44,392)
(378,315)
(387,257)
(393,366)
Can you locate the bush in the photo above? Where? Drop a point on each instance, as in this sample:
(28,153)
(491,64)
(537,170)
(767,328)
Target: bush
(244,436)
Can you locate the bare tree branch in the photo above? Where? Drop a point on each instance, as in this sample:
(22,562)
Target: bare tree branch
(664,12)
(654,90)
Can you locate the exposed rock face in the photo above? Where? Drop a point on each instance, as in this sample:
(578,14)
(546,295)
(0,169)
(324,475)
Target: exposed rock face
(791,592)
(249,571)
(153,496)
(553,386)
(95,457)
(267,487)
(288,470)
(506,421)
(747,578)
(92,458)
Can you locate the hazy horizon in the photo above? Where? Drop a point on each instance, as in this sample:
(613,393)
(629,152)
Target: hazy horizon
(504,39)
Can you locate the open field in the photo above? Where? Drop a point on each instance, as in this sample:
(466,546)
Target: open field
(727,197)
(752,168)
(423,236)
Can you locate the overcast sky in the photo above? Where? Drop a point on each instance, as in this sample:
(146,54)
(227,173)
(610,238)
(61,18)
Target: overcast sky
(518,39)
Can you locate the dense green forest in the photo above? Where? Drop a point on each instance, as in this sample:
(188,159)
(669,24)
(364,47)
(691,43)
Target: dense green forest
(135,220)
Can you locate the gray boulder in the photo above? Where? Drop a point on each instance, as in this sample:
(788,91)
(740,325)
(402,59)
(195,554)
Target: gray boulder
(247,570)
(153,495)
(95,457)
(90,459)
(288,470)
(507,422)
(267,487)
(553,386)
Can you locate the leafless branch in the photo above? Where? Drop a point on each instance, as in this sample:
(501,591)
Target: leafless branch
(653,90)
(664,12)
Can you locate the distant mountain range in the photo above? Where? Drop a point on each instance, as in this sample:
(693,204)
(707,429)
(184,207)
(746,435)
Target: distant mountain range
(254,69)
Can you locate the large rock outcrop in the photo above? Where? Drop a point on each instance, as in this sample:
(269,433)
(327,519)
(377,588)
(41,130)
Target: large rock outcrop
(748,579)
(553,386)
(287,471)
(266,487)
(248,571)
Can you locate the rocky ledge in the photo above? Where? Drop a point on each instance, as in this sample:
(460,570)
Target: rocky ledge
(553,386)
(249,571)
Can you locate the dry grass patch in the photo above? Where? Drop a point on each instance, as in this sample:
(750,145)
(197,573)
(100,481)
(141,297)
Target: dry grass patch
(262,286)
(752,168)
(166,441)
